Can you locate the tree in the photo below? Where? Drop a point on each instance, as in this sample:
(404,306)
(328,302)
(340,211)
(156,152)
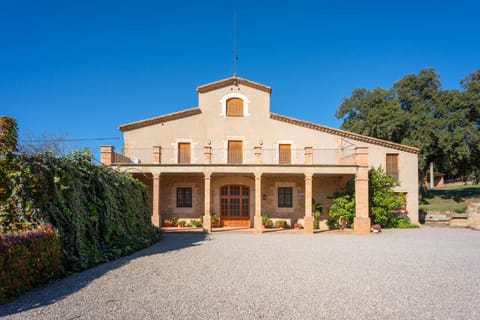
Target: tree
(45,142)
(415,111)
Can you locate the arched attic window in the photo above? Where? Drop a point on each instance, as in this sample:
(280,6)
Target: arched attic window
(234,107)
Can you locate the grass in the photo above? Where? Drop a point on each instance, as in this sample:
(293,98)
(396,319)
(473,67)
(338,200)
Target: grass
(455,198)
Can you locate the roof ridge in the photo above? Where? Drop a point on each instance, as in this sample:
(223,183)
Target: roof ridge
(343,133)
(233,81)
(159,119)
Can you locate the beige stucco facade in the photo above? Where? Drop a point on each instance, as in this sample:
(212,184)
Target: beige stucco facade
(320,161)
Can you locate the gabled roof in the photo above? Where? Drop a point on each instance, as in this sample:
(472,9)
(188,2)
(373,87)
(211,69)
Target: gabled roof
(160,119)
(345,134)
(233,81)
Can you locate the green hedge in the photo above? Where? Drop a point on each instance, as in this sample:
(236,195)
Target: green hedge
(28,259)
(100,213)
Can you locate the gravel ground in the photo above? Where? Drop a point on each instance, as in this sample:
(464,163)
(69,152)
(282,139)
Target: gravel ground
(428,273)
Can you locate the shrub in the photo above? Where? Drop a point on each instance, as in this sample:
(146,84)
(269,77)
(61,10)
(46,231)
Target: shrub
(28,259)
(181,223)
(382,199)
(194,223)
(281,224)
(343,207)
(266,221)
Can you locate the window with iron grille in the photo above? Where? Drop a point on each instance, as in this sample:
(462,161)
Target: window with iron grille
(184,197)
(285,197)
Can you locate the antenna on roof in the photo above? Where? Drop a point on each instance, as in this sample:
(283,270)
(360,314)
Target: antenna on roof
(235,57)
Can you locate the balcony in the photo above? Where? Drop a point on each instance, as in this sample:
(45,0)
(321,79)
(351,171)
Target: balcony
(212,156)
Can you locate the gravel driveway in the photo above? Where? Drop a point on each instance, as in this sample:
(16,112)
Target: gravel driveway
(428,273)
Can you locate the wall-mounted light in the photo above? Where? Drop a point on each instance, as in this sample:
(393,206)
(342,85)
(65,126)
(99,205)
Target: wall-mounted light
(264,197)
(260,142)
(209,142)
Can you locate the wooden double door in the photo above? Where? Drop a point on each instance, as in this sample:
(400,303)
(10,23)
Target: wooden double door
(235,205)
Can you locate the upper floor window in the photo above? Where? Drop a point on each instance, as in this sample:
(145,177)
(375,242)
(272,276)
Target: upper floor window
(392,165)
(284,154)
(234,107)
(184,152)
(235,152)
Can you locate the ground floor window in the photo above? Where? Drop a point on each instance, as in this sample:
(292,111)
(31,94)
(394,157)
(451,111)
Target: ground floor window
(285,197)
(184,197)
(402,195)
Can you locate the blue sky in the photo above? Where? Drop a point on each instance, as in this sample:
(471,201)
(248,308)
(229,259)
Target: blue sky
(82,68)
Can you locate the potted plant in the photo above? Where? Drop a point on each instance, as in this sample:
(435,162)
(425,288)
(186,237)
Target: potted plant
(173,221)
(266,221)
(280,224)
(194,223)
(317,209)
(181,223)
(166,224)
(298,226)
(215,221)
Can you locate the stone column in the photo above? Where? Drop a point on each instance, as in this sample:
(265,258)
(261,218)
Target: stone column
(257,219)
(107,155)
(308,219)
(157,154)
(156,215)
(257,152)
(207,218)
(308,155)
(207,155)
(362,219)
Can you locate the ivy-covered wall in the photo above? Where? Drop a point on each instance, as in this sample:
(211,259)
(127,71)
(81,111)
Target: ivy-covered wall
(99,213)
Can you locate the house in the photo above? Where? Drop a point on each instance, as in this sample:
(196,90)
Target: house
(232,157)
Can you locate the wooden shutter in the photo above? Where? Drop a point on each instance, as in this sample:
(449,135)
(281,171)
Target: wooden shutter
(235,107)
(284,154)
(235,152)
(184,153)
(392,165)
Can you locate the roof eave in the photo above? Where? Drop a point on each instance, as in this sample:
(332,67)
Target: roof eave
(346,134)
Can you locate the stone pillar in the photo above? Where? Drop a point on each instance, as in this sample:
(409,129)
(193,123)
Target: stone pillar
(362,219)
(157,154)
(207,155)
(257,219)
(107,155)
(257,152)
(308,219)
(207,218)
(156,215)
(308,155)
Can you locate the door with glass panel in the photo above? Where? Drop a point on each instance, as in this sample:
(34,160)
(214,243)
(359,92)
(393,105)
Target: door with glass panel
(234,205)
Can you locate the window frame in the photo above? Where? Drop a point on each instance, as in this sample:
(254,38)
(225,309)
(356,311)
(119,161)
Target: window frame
(234,110)
(180,159)
(283,160)
(389,164)
(284,203)
(184,199)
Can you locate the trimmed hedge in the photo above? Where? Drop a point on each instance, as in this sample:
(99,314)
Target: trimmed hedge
(28,259)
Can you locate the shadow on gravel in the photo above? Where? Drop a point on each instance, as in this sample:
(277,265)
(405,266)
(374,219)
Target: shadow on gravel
(62,288)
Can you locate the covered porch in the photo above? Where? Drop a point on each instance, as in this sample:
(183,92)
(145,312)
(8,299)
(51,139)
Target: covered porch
(214,191)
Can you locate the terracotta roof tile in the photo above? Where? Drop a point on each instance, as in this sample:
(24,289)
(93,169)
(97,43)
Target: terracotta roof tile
(160,119)
(231,81)
(346,134)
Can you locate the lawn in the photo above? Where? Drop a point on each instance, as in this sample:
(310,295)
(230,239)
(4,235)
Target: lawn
(455,198)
